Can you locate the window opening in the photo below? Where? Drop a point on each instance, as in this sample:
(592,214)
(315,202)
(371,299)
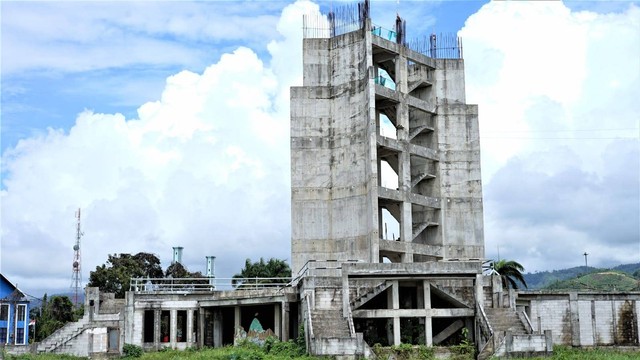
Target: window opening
(165,325)
(181,326)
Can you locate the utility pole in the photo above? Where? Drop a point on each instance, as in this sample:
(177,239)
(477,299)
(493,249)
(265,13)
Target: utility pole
(585,259)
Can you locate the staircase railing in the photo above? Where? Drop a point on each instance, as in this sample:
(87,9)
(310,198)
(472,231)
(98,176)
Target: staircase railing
(486,330)
(309,321)
(527,322)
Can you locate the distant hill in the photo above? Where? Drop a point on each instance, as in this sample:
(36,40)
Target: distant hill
(544,279)
(607,280)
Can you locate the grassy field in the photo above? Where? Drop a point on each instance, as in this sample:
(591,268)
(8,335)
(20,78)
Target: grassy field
(288,352)
(567,353)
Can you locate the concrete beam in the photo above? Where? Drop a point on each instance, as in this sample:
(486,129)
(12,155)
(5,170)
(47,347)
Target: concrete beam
(418,270)
(390,313)
(448,331)
(409,247)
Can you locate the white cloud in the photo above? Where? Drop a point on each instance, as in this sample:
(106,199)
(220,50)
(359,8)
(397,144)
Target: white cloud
(80,36)
(557,90)
(205,167)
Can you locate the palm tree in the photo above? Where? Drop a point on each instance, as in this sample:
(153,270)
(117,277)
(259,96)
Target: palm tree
(510,271)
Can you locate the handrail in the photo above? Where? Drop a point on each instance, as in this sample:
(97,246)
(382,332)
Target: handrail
(526,317)
(307,267)
(489,341)
(485,319)
(309,318)
(352,328)
(151,285)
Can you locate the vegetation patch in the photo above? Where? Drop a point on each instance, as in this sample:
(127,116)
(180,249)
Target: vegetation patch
(602,353)
(403,352)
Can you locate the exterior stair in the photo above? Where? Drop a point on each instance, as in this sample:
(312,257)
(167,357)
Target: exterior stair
(505,319)
(63,335)
(330,324)
(375,291)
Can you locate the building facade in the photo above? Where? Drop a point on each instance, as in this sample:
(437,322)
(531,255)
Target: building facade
(14,314)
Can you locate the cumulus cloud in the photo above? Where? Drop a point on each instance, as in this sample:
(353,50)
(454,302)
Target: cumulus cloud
(558,94)
(99,35)
(205,167)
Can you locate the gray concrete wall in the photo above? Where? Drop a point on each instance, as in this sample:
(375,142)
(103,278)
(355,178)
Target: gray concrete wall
(331,173)
(585,319)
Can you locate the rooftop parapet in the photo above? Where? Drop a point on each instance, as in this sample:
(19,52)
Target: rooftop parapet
(354,17)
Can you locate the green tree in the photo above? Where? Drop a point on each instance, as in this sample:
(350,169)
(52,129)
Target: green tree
(115,276)
(53,314)
(177,270)
(274,268)
(510,271)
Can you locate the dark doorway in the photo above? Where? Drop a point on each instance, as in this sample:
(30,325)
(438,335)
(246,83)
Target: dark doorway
(228,324)
(265,313)
(149,326)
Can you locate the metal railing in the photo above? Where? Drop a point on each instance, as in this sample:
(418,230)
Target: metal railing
(386,34)
(189,285)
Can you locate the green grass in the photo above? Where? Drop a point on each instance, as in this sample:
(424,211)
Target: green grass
(286,352)
(603,353)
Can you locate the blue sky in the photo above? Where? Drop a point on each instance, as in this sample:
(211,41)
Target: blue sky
(113,107)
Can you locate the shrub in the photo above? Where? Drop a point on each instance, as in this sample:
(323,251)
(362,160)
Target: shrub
(132,351)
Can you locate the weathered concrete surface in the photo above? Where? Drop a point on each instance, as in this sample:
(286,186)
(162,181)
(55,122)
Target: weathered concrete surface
(585,319)
(336,152)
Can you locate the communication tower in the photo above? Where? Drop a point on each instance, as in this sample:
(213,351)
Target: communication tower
(76,276)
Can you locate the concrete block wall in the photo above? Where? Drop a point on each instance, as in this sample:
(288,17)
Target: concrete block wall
(552,315)
(586,319)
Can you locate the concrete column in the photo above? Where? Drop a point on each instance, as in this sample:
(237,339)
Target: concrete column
(285,321)
(277,321)
(173,321)
(548,340)
(575,318)
(395,304)
(496,290)
(217,328)
(396,331)
(594,329)
(614,317)
(201,327)
(406,226)
(190,327)
(479,290)
(236,318)
(156,328)
(428,331)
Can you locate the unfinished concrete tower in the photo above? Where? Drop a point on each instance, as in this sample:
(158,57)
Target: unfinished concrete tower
(354,85)
(380,131)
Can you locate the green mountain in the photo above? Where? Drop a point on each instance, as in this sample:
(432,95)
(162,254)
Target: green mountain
(607,280)
(543,279)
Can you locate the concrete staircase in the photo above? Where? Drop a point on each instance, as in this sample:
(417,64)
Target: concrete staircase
(505,319)
(375,291)
(63,335)
(332,333)
(330,324)
(501,320)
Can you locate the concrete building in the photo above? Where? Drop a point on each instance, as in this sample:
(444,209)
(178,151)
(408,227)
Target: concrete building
(348,176)
(14,314)
(381,135)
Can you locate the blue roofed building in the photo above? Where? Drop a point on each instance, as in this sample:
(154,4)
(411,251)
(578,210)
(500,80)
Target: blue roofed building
(14,314)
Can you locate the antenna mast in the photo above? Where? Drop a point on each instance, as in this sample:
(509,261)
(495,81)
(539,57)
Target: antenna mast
(76,277)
